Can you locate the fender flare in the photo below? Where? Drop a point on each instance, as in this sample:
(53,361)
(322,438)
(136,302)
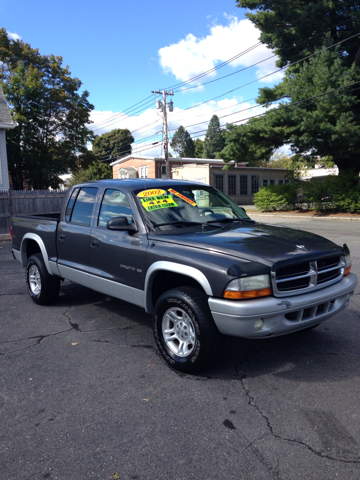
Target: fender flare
(176,268)
(39,241)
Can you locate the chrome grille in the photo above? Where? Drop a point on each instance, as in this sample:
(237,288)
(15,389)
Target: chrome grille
(298,278)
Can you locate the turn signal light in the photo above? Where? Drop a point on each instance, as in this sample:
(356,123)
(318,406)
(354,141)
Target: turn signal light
(264,292)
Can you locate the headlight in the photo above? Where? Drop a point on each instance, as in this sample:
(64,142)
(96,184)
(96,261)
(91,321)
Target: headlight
(248,287)
(347,264)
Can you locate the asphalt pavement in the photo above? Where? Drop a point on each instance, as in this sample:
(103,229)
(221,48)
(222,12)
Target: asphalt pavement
(84,394)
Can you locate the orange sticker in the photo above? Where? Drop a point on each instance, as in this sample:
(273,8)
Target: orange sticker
(194,204)
(151,193)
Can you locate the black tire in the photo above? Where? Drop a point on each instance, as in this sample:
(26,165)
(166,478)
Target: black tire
(193,341)
(43,288)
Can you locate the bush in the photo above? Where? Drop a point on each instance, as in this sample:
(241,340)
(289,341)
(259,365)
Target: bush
(341,194)
(279,197)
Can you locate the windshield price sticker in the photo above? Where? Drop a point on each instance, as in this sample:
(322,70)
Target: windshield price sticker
(174,192)
(151,193)
(157,202)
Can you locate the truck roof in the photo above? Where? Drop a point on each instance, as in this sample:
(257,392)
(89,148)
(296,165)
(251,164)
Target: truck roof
(137,183)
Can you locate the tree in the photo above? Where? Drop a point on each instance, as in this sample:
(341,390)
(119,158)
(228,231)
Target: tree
(327,126)
(214,140)
(318,115)
(50,115)
(96,171)
(182,143)
(199,148)
(291,28)
(116,143)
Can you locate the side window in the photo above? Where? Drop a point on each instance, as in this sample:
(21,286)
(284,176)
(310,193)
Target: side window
(219,182)
(71,204)
(114,204)
(254,184)
(83,206)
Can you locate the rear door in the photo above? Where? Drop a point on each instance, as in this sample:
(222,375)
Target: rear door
(73,236)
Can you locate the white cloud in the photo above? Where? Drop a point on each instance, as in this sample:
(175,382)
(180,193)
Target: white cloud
(147,127)
(14,36)
(192,56)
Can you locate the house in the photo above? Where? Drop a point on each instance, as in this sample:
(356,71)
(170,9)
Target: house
(319,172)
(6,121)
(137,166)
(240,183)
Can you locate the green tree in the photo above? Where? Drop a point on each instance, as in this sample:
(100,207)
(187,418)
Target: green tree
(96,171)
(199,148)
(214,139)
(116,143)
(329,125)
(291,28)
(50,115)
(182,143)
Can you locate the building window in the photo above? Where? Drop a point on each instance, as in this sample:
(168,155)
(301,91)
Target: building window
(265,183)
(163,170)
(272,182)
(243,186)
(143,172)
(281,182)
(254,184)
(232,185)
(219,182)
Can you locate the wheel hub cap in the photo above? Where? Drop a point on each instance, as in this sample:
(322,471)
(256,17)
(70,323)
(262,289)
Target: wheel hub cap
(178,332)
(34,280)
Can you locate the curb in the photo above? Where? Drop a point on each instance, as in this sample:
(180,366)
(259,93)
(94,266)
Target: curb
(317,217)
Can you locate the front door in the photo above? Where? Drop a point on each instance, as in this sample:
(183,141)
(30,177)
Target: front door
(117,258)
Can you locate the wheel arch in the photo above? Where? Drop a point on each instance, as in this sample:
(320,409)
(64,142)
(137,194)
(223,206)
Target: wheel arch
(178,273)
(31,244)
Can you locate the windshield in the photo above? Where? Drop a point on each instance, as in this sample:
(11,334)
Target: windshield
(186,205)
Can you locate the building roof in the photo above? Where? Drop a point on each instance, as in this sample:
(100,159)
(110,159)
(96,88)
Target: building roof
(6,120)
(171,159)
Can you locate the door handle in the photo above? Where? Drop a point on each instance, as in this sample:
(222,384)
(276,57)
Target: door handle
(94,244)
(62,237)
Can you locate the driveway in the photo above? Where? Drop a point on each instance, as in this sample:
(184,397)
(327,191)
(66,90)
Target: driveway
(84,394)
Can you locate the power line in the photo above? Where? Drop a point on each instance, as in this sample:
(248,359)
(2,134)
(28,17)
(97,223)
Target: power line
(272,73)
(226,62)
(111,120)
(291,106)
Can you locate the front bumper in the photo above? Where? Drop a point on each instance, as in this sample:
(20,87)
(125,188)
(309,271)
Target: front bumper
(281,315)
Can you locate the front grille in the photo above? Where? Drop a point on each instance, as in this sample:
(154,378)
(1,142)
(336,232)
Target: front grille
(307,275)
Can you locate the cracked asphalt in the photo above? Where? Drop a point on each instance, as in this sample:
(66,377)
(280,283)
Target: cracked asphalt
(84,394)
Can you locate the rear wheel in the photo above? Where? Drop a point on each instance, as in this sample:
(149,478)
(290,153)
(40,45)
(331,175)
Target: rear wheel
(43,288)
(185,332)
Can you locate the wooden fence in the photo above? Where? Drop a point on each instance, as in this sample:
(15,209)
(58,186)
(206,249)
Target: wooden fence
(28,202)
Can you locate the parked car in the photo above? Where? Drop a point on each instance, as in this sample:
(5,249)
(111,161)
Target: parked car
(187,254)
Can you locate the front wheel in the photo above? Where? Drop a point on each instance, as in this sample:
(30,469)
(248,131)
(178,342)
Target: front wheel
(43,288)
(185,332)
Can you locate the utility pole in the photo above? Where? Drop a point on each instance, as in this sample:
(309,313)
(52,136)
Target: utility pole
(162,106)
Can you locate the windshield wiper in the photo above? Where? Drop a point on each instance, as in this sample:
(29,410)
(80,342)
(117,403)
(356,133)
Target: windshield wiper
(223,220)
(178,222)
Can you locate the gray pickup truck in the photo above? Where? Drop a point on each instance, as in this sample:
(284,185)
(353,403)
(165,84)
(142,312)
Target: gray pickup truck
(187,254)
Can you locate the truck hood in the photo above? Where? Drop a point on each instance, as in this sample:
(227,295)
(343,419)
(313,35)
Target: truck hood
(258,242)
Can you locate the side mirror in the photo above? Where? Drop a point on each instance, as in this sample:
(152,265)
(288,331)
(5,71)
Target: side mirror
(121,223)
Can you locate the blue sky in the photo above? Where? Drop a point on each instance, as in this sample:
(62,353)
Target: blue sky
(123,50)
